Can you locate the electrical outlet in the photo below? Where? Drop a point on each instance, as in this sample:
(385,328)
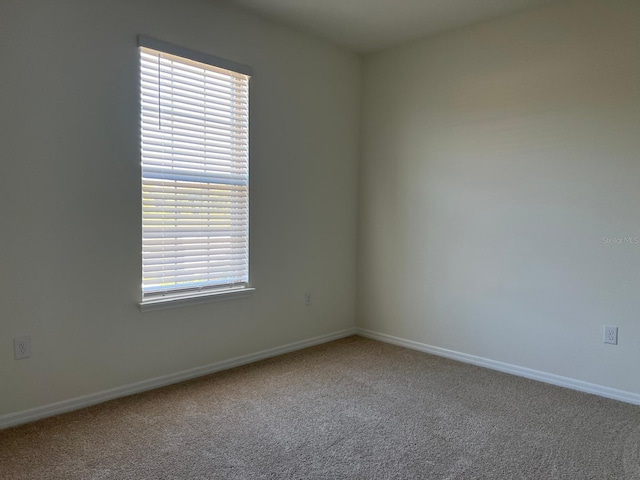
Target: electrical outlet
(21,347)
(307,299)
(611,335)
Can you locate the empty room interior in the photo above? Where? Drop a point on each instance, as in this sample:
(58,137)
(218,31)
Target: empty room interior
(438,270)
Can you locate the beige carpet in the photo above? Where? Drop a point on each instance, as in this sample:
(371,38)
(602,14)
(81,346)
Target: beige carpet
(354,408)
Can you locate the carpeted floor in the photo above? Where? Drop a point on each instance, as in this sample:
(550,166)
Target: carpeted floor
(350,409)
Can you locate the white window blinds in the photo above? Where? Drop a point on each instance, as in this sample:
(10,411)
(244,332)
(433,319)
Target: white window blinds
(195,174)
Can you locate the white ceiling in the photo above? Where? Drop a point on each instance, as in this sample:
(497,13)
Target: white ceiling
(369,25)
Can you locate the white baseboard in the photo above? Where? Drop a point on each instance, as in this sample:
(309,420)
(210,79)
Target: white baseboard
(25,416)
(551,378)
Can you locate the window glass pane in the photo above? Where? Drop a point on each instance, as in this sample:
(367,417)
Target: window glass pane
(195,175)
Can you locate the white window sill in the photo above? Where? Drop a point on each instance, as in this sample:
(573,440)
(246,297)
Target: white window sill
(177,300)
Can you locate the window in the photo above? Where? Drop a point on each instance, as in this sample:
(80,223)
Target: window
(195,173)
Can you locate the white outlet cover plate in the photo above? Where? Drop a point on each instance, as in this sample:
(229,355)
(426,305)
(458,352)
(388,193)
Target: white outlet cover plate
(611,335)
(22,347)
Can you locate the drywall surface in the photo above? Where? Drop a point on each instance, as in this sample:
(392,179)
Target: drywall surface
(70,195)
(499,191)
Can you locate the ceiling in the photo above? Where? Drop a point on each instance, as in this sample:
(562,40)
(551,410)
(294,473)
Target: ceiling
(368,25)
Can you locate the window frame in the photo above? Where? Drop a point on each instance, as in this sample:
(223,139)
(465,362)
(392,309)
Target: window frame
(183,296)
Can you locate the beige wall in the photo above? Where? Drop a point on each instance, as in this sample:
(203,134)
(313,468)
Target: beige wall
(495,160)
(70,194)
